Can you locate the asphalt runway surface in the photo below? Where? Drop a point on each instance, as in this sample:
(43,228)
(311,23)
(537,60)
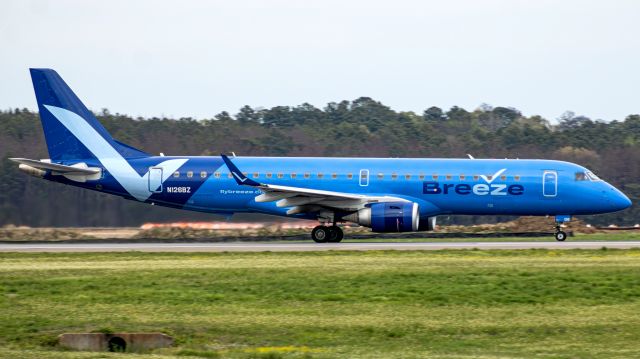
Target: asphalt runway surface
(304,246)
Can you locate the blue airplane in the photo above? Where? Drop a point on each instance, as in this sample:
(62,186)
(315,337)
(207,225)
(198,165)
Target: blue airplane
(385,194)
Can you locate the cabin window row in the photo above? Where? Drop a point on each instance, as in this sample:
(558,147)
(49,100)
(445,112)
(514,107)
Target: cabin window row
(381,176)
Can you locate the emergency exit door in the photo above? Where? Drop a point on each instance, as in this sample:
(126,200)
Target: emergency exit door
(364,178)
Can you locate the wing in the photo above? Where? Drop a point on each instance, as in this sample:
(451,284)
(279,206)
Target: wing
(304,200)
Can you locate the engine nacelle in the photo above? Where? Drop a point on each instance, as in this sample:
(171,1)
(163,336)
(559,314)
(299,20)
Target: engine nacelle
(427,224)
(388,217)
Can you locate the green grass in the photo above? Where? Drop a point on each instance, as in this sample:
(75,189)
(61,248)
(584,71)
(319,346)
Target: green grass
(441,304)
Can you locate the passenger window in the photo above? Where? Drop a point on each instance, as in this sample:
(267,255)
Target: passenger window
(176,174)
(256,175)
(189,174)
(516,178)
(280,175)
(216,175)
(320,175)
(407,176)
(448,177)
(475,177)
(462,177)
(230,175)
(293,175)
(435,176)
(307,175)
(334,176)
(349,175)
(394,176)
(421,176)
(203,174)
(503,177)
(380,175)
(269,174)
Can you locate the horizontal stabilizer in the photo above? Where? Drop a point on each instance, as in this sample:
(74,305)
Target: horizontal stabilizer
(62,169)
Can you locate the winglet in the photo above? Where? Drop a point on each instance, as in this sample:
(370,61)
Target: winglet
(240,178)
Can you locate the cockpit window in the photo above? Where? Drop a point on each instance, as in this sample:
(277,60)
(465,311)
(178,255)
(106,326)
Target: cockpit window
(592,176)
(586,176)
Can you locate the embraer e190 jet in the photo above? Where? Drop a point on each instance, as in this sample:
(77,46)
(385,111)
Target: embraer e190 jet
(385,194)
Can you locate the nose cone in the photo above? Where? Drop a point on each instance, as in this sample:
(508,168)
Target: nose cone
(619,200)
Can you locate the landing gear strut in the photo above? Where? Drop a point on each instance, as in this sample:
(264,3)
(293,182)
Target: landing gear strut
(324,234)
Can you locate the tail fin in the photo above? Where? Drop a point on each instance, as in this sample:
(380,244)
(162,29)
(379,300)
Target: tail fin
(61,113)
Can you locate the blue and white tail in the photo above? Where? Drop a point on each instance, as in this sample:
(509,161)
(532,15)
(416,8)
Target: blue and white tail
(70,129)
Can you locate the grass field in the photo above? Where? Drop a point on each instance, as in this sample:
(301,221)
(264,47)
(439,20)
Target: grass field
(442,304)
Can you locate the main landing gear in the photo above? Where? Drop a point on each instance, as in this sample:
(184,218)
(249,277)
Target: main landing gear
(327,234)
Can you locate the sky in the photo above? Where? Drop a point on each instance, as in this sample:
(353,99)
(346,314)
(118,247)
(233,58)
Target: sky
(198,58)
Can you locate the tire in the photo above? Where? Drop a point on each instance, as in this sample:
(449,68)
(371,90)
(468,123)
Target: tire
(336,234)
(320,234)
(561,236)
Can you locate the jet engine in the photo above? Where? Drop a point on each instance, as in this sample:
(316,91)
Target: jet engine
(388,217)
(427,224)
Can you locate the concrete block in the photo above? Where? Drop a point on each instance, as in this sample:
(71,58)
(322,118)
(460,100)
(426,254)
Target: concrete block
(116,342)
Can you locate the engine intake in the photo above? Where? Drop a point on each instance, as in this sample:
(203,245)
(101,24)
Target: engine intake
(388,217)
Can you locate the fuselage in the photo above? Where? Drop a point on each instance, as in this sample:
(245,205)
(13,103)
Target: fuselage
(439,186)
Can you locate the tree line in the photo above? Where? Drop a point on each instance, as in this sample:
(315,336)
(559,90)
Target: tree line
(359,128)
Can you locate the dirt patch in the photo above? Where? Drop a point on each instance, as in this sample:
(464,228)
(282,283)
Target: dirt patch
(10,233)
(524,224)
(266,232)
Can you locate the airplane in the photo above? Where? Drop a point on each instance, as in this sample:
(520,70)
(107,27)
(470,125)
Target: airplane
(384,194)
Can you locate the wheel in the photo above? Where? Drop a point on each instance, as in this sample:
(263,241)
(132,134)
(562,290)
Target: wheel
(561,236)
(320,234)
(336,234)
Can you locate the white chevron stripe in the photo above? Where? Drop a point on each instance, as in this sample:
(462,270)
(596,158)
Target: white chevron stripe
(117,166)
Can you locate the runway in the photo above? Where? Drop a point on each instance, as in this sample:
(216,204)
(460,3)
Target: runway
(304,246)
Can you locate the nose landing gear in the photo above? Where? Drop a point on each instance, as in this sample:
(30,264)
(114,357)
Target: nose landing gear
(560,234)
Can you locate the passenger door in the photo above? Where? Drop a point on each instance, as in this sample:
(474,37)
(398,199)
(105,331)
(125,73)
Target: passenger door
(550,184)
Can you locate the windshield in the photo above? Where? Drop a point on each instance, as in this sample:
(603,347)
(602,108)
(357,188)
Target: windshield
(592,176)
(586,176)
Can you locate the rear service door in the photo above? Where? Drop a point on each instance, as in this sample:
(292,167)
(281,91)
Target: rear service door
(155,179)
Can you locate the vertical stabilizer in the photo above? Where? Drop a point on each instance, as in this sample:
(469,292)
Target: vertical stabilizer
(56,99)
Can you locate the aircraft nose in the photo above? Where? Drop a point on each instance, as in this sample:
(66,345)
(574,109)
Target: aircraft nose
(618,200)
